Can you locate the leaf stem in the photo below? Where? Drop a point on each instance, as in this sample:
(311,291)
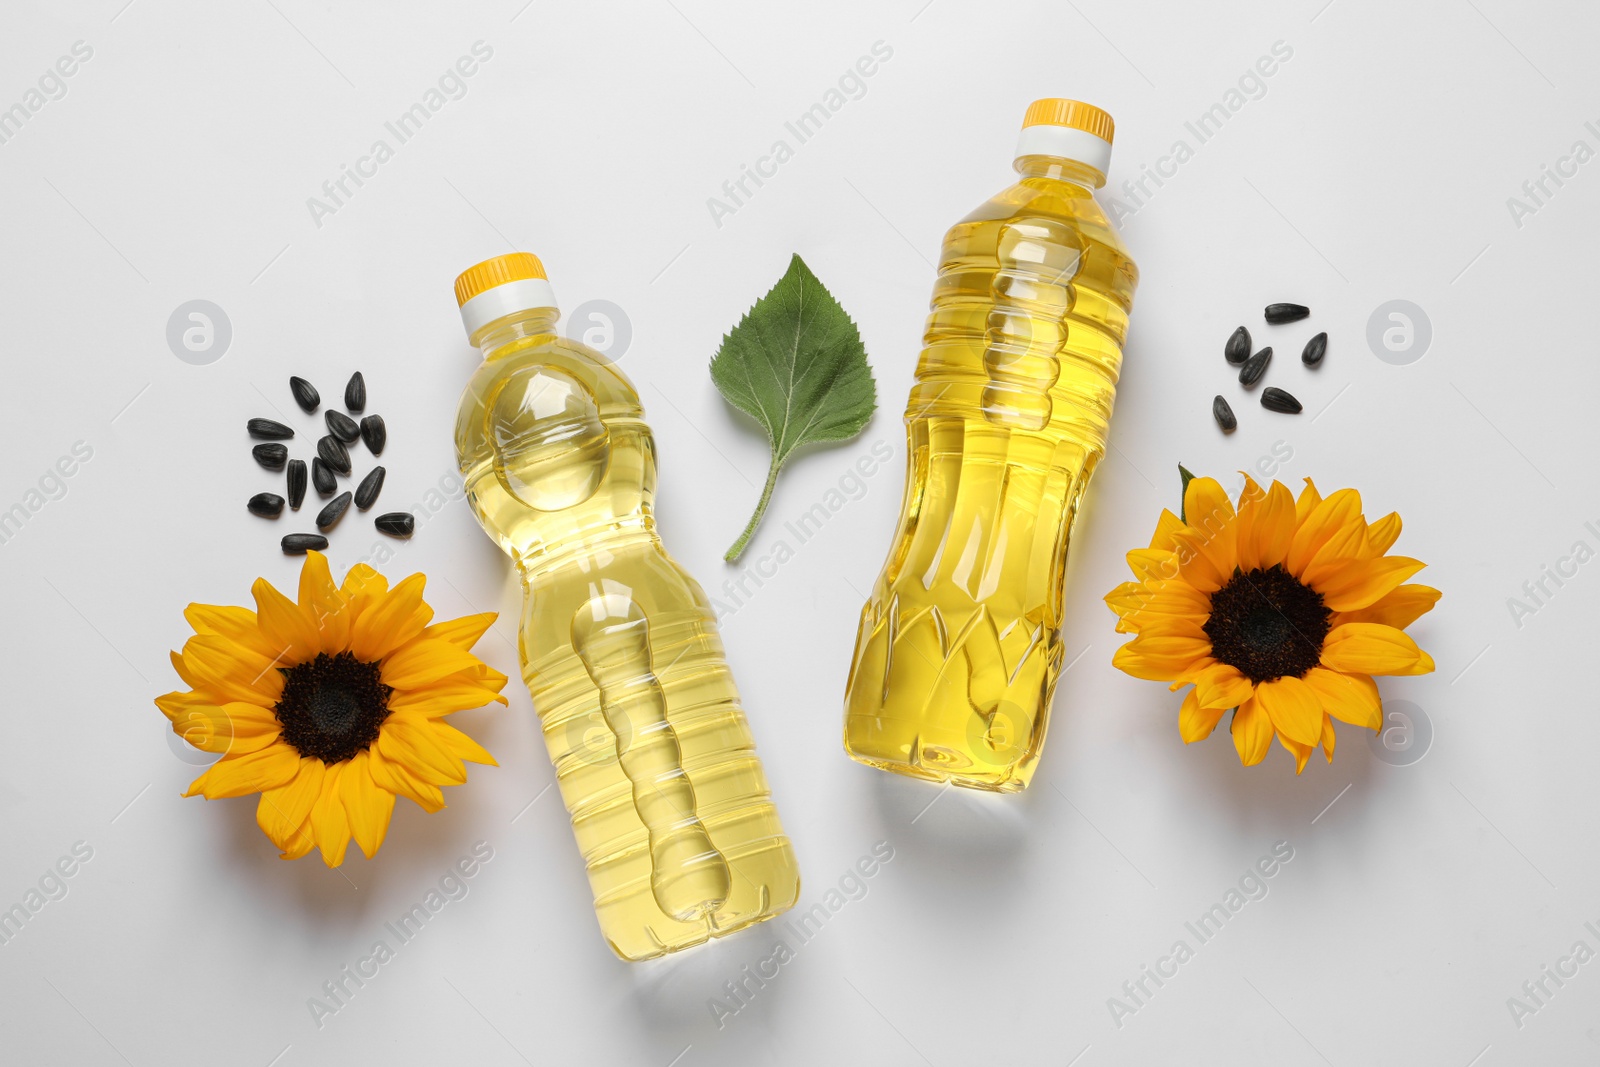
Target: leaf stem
(761,509)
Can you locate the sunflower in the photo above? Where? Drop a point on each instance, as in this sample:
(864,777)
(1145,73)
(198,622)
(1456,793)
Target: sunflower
(330,707)
(1282,610)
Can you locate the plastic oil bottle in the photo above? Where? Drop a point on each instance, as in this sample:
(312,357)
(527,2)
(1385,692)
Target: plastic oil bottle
(619,646)
(960,643)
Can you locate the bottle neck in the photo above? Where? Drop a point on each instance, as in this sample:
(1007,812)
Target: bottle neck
(517,326)
(1059,168)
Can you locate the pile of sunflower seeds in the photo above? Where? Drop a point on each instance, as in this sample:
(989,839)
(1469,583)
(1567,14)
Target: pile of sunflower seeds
(332,460)
(1253,367)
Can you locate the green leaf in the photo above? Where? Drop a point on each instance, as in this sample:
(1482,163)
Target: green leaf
(1183,491)
(795,363)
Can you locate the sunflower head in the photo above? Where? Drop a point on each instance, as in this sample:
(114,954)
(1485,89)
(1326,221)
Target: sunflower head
(1280,609)
(330,706)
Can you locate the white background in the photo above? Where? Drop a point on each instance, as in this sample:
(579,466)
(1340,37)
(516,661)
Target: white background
(1376,166)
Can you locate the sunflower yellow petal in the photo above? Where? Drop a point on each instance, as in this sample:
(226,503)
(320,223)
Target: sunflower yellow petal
(235,623)
(1140,604)
(250,720)
(1382,535)
(1338,515)
(1351,698)
(1153,564)
(463,632)
(1196,723)
(420,752)
(1328,738)
(1347,545)
(1294,708)
(443,698)
(228,728)
(1187,626)
(486,676)
(461,746)
(178,703)
(1307,503)
(422,661)
(284,625)
(1209,533)
(1272,527)
(235,776)
(395,778)
(1191,674)
(1249,503)
(1361,583)
(1126,600)
(328,821)
(1252,733)
(284,811)
(241,745)
(362,588)
(1166,524)
(1372,648)
(200,723)
(390,621)
(1399,609)
(188,676)
(229,671)
(326,609)
(367,807)
(1206,505)
(1159,659)
(1301,753)
(1221,686)
(481,675)
(301,845)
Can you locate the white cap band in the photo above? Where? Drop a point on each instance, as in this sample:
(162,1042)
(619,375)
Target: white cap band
(1079,146)
(503,300)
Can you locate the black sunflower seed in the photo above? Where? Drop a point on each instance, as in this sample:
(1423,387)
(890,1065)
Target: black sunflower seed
(1237,349)
(305,394)
(355,394)
(342,426)
(333,511)
(268,430)
(1223,414)
(297,483)
(1275,399)
(322,477)
(334,454)
(1315,349)
(300,544)
(370,487)
(374,433)
(271,456)
(1279,313)
(396,523)
(267,505)
(1255,367)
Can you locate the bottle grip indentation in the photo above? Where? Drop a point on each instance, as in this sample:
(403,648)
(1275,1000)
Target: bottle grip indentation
(689,877)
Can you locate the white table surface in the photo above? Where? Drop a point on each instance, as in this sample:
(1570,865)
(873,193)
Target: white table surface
(1375,164)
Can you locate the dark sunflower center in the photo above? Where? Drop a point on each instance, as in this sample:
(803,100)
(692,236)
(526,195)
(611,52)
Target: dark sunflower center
(1267,624)
(332,706)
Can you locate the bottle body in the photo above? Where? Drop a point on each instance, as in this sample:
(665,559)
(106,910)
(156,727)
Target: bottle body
(959,645)
(620,651)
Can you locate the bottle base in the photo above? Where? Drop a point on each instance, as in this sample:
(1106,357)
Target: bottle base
(654,948)
(1006,780)
(766,883)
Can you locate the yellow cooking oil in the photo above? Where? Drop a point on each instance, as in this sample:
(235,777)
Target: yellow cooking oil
(619,646)
(960,644)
